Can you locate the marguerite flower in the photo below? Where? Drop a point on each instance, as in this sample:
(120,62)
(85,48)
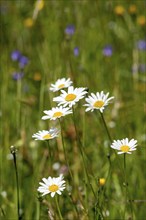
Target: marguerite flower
(71,97)
(97,101)
(46,135)
(52,185)
(124,146)
(55,113)
(60,84)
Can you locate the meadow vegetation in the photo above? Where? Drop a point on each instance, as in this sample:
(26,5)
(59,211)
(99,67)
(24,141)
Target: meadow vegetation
(100,45)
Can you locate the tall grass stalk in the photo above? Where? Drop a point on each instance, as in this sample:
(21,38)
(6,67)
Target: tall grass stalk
(106,128)
(65,154)
(19,86)
(13,152)
(84,163)
(59,212)
(126,190)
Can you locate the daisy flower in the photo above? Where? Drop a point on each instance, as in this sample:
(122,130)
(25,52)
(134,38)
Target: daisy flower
(97,101)
(55,113)
(124,146)
(60,84)
(52,185)
(46,135)
(71,97)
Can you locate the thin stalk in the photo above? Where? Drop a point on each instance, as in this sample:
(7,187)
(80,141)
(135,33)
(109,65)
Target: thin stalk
(125,184)
(2,212)
(126,188)
(71,198)
(107,131)
(65,154)
(38,217)
(19,85)
(13,151)
(48,145)
(59,212)
(83,159)
(80,144)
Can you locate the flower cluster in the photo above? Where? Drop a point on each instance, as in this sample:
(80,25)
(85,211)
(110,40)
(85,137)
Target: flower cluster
(22,62)
(66,100)
(17,56)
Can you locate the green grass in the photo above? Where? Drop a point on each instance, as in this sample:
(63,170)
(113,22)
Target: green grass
(51,55)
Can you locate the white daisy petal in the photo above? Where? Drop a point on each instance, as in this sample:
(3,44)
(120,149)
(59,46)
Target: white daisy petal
(52,186)
(124,145)
(97,101)
(56,113)
(60,84)
(46,134)
(71,97)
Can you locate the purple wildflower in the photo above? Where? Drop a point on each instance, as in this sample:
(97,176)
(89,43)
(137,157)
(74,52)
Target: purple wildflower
(15,55)
(107,51)
(23,61)
(76,51)
(17,76)
(70,29)
(141,45)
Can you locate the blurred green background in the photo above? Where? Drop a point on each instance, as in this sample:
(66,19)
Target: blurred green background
(106,51)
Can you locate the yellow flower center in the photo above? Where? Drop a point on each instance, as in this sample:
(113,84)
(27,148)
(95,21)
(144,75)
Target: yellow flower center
(47,136)
(61,86)
(124,148)
(98,104)
(53,188)
(70,97)
(57,114)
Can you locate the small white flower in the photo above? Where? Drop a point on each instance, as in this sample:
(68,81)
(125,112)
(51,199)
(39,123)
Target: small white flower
(70,97)
(55,113)
(52,185)
(46,135)
(124,146)
(60,84)
(97,101)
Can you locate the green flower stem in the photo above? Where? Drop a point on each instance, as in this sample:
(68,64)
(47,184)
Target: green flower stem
(13,152)
(49,149)
(80,145)
(59,212)
(19,85)
(65,154)
(125,184)
(107,131)
(38,208)
(84,164)
(126,189)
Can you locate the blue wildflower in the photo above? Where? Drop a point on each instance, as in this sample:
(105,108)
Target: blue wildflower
(141,45)
(70,29)
(15,55)
(76,51)
(107,50)
(17,76)
(23,61)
